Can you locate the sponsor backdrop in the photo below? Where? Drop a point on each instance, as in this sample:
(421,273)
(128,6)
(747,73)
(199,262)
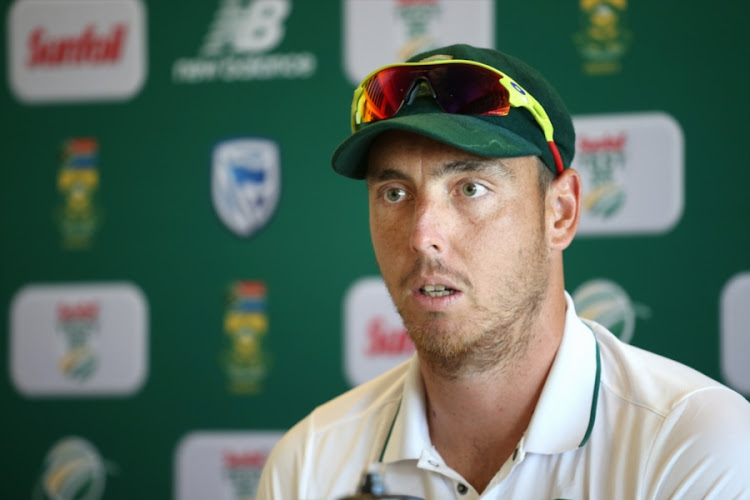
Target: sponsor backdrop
(184,277)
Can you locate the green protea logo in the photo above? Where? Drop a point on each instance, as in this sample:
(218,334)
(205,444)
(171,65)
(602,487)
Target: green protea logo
(72,470)
(608,304)
(603,40)
(78,322)
(245,324)
(601,161)
(417,16)
(77,181)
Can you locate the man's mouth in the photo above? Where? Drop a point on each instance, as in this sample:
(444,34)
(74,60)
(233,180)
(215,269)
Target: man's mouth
(436,290)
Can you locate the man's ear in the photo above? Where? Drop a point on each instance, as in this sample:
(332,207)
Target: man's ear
(563,209)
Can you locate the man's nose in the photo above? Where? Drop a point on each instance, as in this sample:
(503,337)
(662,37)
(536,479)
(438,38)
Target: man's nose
(429,227)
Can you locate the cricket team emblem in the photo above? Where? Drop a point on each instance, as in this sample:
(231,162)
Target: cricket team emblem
(78,322)
(246,325)
(77,181)
(604,37)
(417,17)
(602,162)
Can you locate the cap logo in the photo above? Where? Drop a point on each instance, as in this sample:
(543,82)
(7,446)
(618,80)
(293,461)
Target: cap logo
(437,57)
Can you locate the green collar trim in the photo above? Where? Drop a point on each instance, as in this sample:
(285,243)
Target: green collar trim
(390,430)
(595,398)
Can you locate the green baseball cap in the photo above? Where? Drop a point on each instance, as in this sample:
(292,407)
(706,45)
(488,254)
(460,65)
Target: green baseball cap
(513,135)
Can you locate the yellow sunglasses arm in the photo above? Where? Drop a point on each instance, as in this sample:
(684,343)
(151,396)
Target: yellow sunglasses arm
(519,98)
(357,107)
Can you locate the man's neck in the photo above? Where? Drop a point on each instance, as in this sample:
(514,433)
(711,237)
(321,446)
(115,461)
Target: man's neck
(477,419)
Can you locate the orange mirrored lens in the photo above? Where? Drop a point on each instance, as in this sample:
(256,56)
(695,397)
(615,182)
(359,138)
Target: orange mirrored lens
(458,88)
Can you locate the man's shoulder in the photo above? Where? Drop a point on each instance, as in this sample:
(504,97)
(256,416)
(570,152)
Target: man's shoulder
(363,400)
(651,381)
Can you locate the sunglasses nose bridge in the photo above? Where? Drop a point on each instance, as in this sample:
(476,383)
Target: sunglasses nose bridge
(419,87)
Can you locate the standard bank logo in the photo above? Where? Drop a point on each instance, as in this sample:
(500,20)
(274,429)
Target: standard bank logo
(379,32)
(735,337)
(221,465)
(632,169)
(73,470)
(608,304)
(76,50)
(375,339)
(237,45)
(245,183)
(78,339)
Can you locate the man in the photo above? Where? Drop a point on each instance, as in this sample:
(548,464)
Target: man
(466,155)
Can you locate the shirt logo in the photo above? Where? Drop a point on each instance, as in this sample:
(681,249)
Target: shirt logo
(76,50)
(239,43)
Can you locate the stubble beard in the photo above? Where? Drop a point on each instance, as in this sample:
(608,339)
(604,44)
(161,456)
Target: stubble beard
(504,331)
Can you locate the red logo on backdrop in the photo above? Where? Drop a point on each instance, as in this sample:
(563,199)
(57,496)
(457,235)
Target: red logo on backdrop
(82,311)
(88,47)
(384,340)
(73,50)
(254,459)
(606,143)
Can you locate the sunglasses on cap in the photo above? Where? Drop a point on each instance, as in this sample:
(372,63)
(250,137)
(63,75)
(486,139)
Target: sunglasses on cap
(458,86)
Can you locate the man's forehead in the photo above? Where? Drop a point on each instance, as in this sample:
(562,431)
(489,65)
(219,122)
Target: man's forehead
(396,153)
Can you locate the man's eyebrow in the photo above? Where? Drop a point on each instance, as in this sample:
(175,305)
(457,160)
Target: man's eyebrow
(493,165)
(388,174)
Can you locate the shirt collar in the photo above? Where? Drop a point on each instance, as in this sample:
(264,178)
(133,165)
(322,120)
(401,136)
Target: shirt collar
(566,410)
(563,417)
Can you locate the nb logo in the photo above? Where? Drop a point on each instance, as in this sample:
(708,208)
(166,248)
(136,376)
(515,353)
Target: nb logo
(256,26)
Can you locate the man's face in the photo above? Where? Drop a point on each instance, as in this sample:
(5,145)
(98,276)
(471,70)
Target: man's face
(460,242)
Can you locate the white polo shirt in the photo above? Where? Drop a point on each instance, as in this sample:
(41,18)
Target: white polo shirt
(612,422)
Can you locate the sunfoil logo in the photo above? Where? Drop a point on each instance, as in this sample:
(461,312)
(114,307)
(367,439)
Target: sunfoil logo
(375,338)
(76,50)
(90,47)
(237,46)
(632,171)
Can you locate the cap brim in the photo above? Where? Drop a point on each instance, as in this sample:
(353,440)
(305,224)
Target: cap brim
(473,134)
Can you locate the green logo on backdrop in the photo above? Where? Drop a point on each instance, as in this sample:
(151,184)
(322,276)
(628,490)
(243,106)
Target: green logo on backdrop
(77,181)
(417,15)
(608,304)
(72,470)
(604,38)
(245,325)
(78,322)
(601,161)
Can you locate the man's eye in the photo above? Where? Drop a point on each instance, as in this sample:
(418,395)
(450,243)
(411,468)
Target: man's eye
(472,189)
(394,194)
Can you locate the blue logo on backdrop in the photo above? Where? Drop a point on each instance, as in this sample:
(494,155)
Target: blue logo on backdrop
(245,183)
